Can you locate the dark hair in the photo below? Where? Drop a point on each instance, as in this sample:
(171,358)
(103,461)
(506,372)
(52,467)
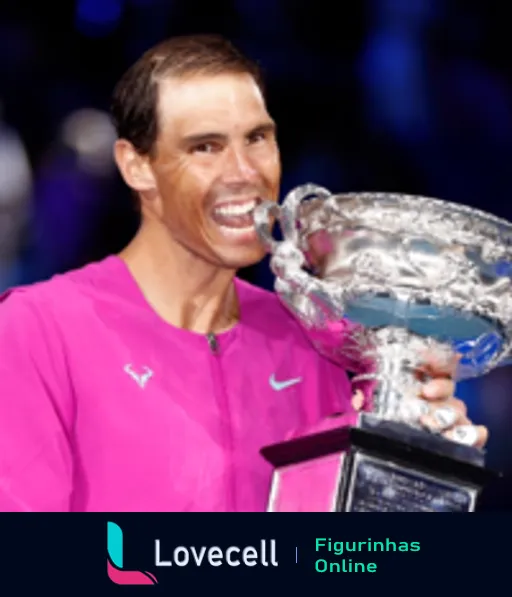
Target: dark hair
(135,99)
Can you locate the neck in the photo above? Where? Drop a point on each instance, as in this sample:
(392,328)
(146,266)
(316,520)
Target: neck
(183,289)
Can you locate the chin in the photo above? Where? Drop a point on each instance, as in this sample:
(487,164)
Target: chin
(241,257)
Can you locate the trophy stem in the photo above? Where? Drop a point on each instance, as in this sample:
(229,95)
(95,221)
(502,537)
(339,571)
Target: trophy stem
(396,356)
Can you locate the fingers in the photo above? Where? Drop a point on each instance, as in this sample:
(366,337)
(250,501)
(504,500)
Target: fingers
(436,366)
(440,419)
(446,415)
(469,435)
(438,389)
(450,419)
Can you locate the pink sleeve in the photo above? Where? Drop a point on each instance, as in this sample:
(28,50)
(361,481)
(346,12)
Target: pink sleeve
(35,456)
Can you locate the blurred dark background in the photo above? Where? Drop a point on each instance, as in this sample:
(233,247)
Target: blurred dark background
(392,95)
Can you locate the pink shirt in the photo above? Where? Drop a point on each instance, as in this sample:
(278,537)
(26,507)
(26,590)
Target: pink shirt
(105,407)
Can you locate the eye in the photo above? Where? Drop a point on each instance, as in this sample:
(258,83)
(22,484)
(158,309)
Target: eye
(205,148)
(257,137)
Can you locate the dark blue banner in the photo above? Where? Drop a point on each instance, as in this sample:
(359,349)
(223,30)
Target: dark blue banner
(181,554)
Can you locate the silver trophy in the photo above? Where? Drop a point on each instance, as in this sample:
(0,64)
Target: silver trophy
(408,277)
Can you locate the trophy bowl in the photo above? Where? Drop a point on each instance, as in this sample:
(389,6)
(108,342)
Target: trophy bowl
(406,277)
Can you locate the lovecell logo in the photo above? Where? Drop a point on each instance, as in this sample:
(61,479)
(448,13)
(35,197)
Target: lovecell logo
(115,564)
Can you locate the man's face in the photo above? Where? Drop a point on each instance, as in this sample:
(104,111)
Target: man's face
(216,158)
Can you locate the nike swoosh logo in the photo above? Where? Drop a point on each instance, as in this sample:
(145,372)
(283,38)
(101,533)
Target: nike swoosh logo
(282,385)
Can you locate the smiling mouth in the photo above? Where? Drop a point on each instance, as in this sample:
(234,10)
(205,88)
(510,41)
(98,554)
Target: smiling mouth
(235,215)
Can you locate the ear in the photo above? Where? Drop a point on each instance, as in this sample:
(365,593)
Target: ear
(134,168)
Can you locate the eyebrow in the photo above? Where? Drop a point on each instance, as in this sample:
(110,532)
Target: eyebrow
(265,127)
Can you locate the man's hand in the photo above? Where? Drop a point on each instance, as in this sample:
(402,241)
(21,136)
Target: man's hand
(448,414)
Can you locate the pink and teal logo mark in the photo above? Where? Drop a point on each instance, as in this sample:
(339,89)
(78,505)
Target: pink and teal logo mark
(115,564)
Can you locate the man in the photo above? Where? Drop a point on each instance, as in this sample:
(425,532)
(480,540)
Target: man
(150,380)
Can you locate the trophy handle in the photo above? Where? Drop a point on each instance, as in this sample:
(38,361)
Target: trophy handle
(288,215)
(262,215)
(290,210)
(294,285)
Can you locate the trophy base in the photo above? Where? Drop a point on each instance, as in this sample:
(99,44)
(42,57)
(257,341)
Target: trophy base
(375,466)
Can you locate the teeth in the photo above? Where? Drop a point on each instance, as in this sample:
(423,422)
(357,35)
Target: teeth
(236,210)
(236,231)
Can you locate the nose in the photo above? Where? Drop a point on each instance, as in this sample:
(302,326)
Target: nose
(239,167)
